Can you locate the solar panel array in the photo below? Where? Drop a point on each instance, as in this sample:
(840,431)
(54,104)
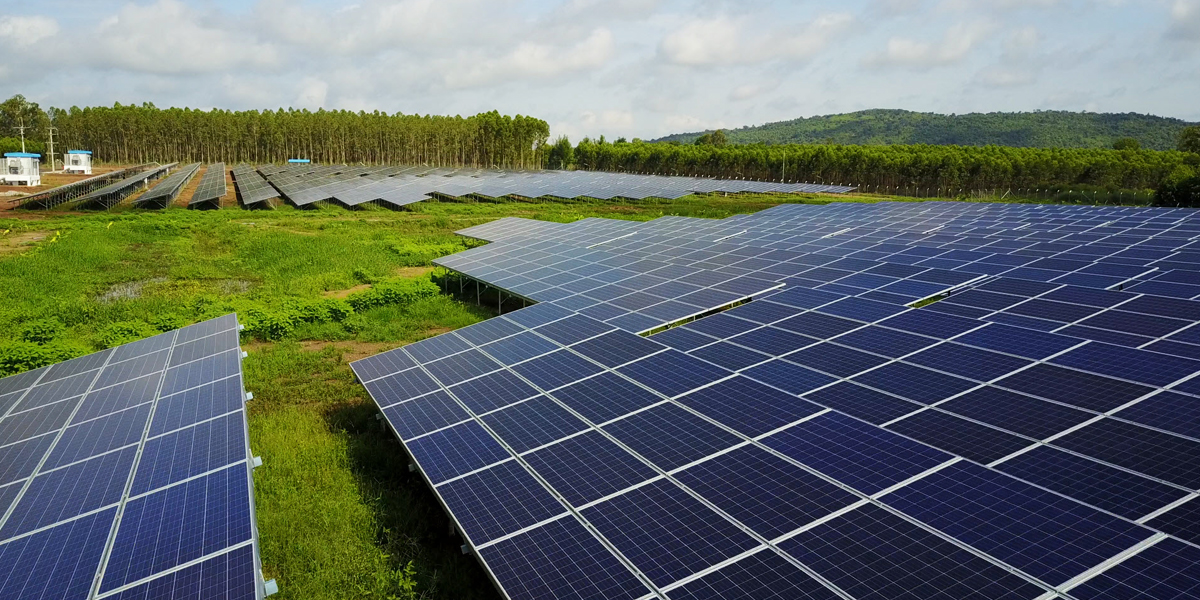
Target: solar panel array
(825,440)
(252,188)
(127,473)
(113,193)
(211,189)
(306,184)
(66,193)
(161,195)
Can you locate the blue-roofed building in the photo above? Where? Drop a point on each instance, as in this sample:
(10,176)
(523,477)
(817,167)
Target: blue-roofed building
(78,162)
(21,168)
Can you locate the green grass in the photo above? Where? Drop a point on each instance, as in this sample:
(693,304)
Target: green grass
(339,514)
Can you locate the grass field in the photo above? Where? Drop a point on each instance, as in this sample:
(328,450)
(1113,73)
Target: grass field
(339,514)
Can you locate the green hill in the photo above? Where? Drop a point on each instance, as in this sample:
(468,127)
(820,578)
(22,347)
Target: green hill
(1042,129)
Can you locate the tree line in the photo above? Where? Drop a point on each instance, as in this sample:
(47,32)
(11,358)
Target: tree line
(144,133)
(926,167)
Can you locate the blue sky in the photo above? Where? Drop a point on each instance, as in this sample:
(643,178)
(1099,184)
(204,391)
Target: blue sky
(633,68)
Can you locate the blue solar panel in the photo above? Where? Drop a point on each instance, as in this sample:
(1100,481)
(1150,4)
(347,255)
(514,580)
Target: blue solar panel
(1154,453)
(866,458)
(556,369)
(424,414)
(498,501)
(1048,536)
(81,469)
(1109,488)
(914,383)
(889,256)
(672,373)
(965,438)
(670,436)
(460,449)
(871,553)
(1126,363)
(491,391)
(1017,413)
(761,575)
(533,423)
(666,533)
(764,492)
(583,567)
(748,407)
(1167,569)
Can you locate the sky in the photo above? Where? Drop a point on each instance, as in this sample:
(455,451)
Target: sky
(619,68)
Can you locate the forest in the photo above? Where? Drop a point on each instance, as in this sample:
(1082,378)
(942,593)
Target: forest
(1041,129)
(923,170)
(143,133)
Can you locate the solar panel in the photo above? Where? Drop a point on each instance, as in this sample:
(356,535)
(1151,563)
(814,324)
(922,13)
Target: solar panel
(117,485)
(1026,435)
(211,189)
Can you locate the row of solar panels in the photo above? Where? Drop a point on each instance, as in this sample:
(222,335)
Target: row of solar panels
(128,474)
(164,193)
(1032,435)
(303,185)
(69,192)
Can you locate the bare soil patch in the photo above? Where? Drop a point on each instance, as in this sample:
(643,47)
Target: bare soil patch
(343,294)
(412,271)
(14,243)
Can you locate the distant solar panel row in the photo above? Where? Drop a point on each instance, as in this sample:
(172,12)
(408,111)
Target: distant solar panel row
(252,189)
(69,192)
(824,440)
(306,184)
(127,473)
(112,194)
(211,189)
(165,192)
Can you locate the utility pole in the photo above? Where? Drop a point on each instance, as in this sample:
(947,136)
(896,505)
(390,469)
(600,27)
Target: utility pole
(21,126)
(51,130)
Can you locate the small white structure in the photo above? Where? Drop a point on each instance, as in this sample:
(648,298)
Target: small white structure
(21,168)
(78,162)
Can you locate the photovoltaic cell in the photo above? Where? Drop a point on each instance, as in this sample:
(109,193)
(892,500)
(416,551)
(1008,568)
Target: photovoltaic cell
(763,491)
(1109,488)
(498,501)
(1048,536)
(1164,570)
(760,576)
(583,567)
(866,458)
(874,554)
(666,533)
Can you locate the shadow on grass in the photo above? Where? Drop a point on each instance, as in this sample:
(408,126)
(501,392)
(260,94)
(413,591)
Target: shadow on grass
(413,526)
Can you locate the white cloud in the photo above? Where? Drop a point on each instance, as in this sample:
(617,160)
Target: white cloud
(1185,20)
(954,46)
(23,32)
(752,90)
(168,37)
(313,93)
(534,60)
(725,40)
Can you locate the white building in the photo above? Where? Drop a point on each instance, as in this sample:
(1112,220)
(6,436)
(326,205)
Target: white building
(21,168)
(78,161)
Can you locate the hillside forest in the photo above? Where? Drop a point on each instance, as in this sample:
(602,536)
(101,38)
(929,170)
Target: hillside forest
(1041,129)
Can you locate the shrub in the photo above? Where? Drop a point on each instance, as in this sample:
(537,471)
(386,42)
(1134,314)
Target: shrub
(168,322)
(397,291)
(18,357)
(1180,188)
(42,331)
(270,325)
(123,332)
